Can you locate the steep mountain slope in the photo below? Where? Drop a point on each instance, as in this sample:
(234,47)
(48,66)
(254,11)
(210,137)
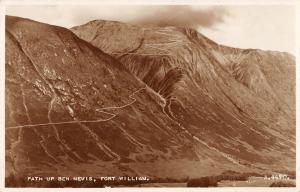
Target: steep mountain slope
(73,110)
(240,102)
(161,102)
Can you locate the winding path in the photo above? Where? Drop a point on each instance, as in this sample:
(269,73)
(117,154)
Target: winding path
(101,110)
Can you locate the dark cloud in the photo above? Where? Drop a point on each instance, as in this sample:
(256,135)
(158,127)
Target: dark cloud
(182,15)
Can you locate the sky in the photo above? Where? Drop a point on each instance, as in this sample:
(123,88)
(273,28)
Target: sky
(266,27)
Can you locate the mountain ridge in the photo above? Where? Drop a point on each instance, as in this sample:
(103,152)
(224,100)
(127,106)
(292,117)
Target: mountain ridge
(169,106)
(153,54)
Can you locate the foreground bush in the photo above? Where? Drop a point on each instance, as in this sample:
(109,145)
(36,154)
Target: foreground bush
(282,184)
(203,182)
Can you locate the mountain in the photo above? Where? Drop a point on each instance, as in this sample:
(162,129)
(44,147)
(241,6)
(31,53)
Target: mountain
(157,102)
(240,102)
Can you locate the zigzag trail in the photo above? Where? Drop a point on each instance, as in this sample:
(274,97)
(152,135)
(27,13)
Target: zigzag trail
(86,121)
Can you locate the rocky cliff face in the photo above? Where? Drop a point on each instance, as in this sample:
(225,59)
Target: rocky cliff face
(125,100)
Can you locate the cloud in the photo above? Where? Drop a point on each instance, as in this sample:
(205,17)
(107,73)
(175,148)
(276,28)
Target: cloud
(182,15)
(269,27)
(158,15)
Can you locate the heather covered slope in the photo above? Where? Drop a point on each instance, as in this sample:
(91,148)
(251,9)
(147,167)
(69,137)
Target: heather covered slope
(240,102)
(73,110)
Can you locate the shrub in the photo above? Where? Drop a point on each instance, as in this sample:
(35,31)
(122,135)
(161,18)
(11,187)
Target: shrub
(282,184)
(203,182)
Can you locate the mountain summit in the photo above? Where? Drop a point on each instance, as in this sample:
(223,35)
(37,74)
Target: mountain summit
(238,101)
(121,100)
